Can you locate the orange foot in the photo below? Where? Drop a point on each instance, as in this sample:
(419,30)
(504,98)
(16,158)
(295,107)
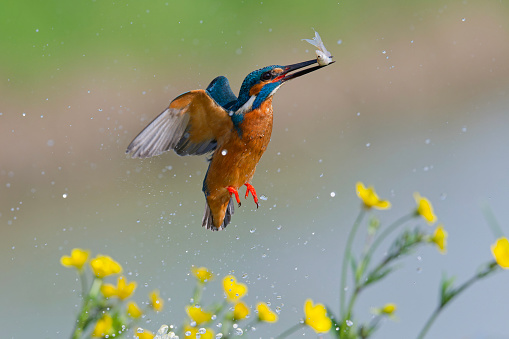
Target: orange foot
(232,190)
(251,189)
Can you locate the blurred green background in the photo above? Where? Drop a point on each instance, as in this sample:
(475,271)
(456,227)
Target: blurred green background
(416,101)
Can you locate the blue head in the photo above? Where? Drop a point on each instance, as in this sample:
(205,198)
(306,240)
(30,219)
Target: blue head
(261,84)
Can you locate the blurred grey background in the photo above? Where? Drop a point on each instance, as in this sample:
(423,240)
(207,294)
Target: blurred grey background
(416,101)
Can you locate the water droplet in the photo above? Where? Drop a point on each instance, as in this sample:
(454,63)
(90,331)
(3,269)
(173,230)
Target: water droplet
(279,227)
(463,19)
(349,323)
(188,333)
(263,197)
(332,194)
(224,152)
(219,325)
(219,335)
(202,331)
(368,144)
(384,52)
(140,330)
(64,195)
(252,230)
(358,114)
(239,331)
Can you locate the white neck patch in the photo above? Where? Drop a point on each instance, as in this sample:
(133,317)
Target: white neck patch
(247,106)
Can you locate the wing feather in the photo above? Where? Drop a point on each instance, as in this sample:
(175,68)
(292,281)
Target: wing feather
(191,125)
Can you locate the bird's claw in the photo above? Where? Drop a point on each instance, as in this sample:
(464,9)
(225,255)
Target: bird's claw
(232,190)
(251,189)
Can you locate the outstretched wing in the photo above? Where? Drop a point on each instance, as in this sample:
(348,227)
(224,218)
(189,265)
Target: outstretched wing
(219,89)
(191,125)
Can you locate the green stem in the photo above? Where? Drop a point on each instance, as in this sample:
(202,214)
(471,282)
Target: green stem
(198,291)
(385,233)
(289,331)
(492,221)
(82,320)
(83,280)
(489,269)
(346,258)
(355,294)
(430,321)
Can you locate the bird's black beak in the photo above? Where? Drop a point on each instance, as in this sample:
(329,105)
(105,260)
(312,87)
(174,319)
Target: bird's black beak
(285,75)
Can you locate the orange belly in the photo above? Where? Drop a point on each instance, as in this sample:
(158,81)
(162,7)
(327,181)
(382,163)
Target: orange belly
(234,161)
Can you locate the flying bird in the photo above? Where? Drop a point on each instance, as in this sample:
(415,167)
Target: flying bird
(236,130)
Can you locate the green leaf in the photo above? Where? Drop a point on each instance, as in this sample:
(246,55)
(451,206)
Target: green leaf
(446,290)
(379,274)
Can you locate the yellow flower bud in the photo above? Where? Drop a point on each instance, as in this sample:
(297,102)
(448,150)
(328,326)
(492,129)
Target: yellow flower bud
(77,259)
(265,313)
(133,310)
(202,274)
(233,289)
(103,266)
(424,209)
(370,198)
(500,252)
(316,317)
(155,301)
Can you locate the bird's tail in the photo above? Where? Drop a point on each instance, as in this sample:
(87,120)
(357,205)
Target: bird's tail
(209,222)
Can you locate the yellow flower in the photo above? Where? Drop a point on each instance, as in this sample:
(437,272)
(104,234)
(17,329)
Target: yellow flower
(77,259)
(144,335)
(440,239)
(240,311)
(233,289)
(103,266)
(265,313)
(370,198)
(389,308)
(424,209)
(202,274)
(198,315)
(500,251)
(191,332)
(133,310)
(103,327)
(108,290)
(316,317)
(123,290)
(155,301)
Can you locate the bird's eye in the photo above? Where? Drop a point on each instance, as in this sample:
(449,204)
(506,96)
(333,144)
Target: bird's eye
(266,76)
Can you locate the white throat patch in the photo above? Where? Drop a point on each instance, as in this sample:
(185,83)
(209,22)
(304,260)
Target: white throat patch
(247,106)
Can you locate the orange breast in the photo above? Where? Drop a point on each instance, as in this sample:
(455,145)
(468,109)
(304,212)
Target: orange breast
(234,161)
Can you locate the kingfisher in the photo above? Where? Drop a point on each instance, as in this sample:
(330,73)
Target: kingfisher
(236,130)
